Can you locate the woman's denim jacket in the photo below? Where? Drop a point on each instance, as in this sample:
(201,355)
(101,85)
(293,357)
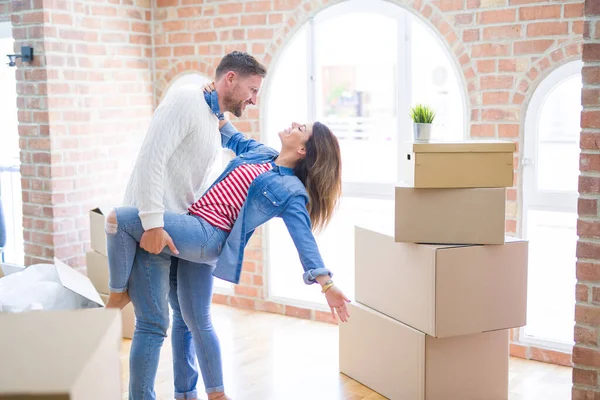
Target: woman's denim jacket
(278,193)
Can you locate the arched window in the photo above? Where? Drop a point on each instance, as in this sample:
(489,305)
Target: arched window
(357,66)
(550,179)
(10,177)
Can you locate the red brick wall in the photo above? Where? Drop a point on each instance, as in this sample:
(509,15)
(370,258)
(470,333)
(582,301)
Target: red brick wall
(4,10)
(586,354)
(83,104)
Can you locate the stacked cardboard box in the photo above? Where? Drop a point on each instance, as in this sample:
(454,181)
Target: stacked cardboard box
(435,298)
(97,266)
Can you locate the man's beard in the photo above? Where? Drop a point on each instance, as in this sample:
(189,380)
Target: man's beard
(238,109)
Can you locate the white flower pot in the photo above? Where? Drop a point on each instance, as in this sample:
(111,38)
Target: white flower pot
(422,132)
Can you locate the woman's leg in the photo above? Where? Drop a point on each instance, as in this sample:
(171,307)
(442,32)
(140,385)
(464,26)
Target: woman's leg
(195,239)
(194,289)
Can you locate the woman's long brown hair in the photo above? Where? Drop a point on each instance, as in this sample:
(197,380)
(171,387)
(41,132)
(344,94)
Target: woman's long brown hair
(321,173)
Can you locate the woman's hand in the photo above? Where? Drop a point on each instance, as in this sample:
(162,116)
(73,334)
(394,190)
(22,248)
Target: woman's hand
(337,301)
(209,87)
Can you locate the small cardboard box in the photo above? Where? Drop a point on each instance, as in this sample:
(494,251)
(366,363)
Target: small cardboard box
(450,216)
(400,362)
(127,318)
(443,290)
(97,232)
(458,164)
(67,355)
(97,270)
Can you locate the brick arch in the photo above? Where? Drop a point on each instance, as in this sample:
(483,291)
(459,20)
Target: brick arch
(553,58)
(428,13)
(165,80)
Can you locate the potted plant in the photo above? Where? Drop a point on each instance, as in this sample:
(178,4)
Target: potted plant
(422,117)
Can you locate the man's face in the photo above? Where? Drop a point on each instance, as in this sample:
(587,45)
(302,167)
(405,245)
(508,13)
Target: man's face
(244,91)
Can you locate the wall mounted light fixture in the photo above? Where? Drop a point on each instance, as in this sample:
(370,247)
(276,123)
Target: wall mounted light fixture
(25,56)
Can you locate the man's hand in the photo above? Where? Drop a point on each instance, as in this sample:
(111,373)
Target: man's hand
(155,240)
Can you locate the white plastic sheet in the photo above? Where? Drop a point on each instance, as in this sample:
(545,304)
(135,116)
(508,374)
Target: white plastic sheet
(39,287)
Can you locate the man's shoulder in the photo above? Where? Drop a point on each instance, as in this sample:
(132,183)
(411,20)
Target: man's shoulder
(190,95)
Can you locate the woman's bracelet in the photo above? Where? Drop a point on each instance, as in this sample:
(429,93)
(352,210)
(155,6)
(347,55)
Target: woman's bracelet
(327,286)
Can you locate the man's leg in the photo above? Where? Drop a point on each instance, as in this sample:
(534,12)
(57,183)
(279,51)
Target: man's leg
(185,371)
(194,289)
(149,290)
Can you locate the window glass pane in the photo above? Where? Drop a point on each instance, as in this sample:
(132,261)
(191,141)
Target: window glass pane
(356,92)
(9,137)
(435,83)
(551,277)
(288,91)
(558,137)
(336,244)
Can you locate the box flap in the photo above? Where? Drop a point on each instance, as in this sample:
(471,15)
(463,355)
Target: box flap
(77,282)
(467,146)
(7,269)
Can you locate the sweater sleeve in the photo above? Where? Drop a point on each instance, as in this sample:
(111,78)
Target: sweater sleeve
(173,120)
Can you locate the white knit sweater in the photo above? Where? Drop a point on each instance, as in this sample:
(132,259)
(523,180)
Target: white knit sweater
(179,148)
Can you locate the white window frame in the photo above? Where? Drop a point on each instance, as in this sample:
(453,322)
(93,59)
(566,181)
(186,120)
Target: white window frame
(562,201)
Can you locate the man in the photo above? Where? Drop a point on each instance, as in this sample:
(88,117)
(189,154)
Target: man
(181,144)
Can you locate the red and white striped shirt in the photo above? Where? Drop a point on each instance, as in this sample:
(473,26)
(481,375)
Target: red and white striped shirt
(221,205)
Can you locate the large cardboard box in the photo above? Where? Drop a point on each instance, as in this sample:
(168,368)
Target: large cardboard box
(455,216)
(97,232)
(127,318)
(70,355)
(402,363)
(443,290)
(97,270)
(458,164)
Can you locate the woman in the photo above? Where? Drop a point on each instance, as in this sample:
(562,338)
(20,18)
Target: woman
(301,184)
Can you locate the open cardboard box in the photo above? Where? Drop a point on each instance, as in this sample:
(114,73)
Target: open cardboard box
(69,278)
(61,355)
(97,232)
(83,287)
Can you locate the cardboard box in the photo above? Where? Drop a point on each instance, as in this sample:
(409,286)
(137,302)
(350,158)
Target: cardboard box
(455,216)
(458,164)
(72,355)
(443,290)
(97,232)
(401,363)
(127,318)
(97,270)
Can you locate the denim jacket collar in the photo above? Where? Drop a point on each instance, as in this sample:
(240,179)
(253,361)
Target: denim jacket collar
(283,170)
(212,99)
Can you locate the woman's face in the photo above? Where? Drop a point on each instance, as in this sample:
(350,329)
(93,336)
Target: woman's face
(294,137)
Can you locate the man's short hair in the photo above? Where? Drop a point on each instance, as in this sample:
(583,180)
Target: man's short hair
(242,63)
